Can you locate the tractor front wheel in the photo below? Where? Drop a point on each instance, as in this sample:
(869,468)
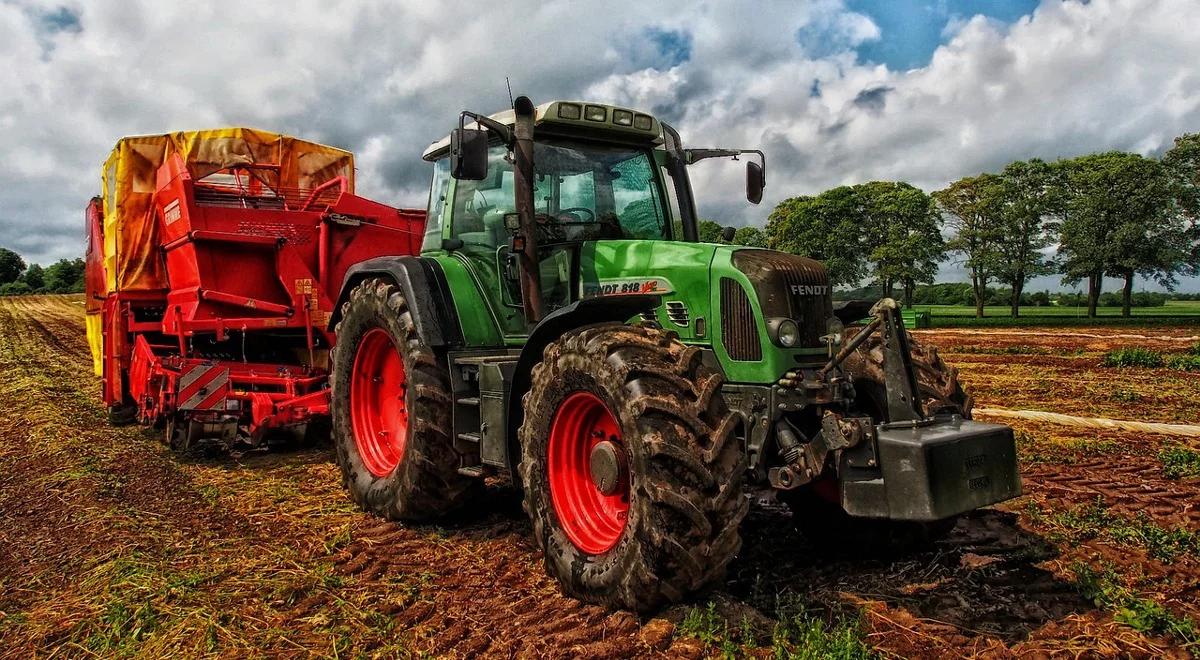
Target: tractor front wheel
(390,409)
(632,467)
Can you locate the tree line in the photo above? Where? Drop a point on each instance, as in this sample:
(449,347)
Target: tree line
(1111,214)
(62,276)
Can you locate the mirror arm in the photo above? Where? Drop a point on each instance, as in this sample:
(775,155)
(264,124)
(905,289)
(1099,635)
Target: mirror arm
(696,155)
(494,127)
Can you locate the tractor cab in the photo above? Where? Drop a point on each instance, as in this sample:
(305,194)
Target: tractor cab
(600,175)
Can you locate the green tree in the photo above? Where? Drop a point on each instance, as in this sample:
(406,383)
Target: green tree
(1031,196)
(750,237)
(17,288)
(34,277)
(1120,221)
(828,228)
(709,231)
(885,230)
(1183,163)
(65,276)
(974,211)
(903,238)
(11,266)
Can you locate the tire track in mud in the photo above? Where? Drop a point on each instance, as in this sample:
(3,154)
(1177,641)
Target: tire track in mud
(1128,485)
(480,591)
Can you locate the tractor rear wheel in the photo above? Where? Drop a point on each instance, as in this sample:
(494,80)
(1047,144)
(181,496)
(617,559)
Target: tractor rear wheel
(817,510)
(632,467)
(390,411)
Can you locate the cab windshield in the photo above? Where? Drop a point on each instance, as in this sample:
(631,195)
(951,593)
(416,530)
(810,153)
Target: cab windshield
(582,192)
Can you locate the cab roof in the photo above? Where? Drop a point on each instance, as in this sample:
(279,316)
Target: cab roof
(574,114)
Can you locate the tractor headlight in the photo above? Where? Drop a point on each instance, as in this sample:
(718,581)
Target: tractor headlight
(784,332)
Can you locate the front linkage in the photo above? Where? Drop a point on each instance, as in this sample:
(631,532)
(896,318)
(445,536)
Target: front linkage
(893,459)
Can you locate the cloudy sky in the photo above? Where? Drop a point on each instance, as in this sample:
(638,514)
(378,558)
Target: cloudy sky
(834,91)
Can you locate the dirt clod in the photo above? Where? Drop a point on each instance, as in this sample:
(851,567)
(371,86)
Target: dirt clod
(657,633)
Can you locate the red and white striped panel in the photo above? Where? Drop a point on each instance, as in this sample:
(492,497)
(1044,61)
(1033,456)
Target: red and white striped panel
(203,387)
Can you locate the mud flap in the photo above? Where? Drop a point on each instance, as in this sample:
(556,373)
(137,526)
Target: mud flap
(935,471)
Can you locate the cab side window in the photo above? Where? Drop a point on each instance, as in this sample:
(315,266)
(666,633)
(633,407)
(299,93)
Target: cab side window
(438,196)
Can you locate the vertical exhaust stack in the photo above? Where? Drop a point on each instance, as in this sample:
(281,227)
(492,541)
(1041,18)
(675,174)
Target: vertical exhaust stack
(531,284)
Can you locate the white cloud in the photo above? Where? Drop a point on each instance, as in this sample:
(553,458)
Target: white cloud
(387,78)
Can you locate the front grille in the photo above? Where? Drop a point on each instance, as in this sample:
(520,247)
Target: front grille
(789,286)
(739,331)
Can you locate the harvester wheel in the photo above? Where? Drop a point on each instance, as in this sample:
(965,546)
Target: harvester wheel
(391,411)
(122,415)
(632,467)
(816,508)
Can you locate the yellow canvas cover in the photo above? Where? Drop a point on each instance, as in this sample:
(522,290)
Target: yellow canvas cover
(130,232)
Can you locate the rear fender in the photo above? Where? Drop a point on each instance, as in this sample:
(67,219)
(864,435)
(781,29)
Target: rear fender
(424,286)
(589,311)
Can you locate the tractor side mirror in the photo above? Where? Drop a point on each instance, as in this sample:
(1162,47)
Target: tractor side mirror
(469,154)
(727,234)
(755,182)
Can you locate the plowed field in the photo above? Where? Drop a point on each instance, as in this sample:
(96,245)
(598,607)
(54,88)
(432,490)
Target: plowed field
(111,545)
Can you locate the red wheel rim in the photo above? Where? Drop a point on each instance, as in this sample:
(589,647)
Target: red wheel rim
(593,521)
(378,414)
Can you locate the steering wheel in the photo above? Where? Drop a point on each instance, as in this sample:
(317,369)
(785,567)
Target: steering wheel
(591,219)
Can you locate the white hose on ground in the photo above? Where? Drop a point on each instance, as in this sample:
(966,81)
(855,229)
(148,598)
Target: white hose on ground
(1188,430)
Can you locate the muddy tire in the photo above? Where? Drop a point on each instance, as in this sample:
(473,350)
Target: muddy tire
(670,525)
(390,411)
(122,415)
(937,381)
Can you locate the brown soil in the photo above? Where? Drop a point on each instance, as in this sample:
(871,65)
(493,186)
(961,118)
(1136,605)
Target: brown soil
(111,545)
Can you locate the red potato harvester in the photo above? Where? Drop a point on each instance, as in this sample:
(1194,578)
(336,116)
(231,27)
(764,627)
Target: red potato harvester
(214,263)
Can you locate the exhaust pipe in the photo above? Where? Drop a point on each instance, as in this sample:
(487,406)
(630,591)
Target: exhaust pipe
(531,283)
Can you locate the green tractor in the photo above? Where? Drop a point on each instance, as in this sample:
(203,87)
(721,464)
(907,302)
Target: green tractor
(563,328)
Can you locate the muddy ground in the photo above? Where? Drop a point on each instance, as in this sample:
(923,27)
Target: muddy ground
(111,545)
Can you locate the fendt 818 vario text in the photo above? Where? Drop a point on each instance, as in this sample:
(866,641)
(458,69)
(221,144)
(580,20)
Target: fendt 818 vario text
(551,320)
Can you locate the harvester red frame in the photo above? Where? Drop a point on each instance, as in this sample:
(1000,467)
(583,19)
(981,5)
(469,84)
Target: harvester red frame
(247,264)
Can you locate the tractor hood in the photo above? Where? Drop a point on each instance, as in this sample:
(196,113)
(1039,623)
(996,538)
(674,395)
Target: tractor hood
(720,295)
(679,272)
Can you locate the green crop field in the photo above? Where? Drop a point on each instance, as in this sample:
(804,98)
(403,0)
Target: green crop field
(1172,308)
(1178,312)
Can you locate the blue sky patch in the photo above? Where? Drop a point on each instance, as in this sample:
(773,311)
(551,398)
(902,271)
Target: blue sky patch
(60,20)
(674,47)
(913,29)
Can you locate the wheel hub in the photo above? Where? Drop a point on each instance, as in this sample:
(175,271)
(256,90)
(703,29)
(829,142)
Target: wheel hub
(378,414)
(607,463)
(588,473)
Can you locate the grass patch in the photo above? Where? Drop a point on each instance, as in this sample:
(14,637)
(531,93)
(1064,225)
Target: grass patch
(1132,357)
(1104,589)
(1031,449)
(1151,359)
(1094,520)
(1185,362)
(1179,462)
(706,625)
(1126,395)
(799,632)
